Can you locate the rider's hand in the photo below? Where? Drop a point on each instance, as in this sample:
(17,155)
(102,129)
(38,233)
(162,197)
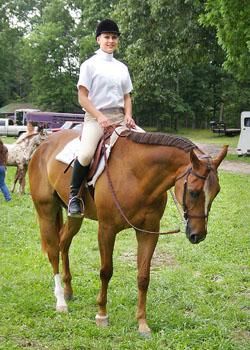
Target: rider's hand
(129,121)
(103,121)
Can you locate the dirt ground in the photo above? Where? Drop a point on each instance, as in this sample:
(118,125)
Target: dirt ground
(227,165)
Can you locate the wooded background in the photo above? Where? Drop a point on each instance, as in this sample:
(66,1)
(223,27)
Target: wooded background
(189,59)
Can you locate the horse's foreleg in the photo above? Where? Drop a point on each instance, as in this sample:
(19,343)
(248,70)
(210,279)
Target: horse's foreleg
(61,305)
(146,247)
(49,228)
(106,240)
(71,227)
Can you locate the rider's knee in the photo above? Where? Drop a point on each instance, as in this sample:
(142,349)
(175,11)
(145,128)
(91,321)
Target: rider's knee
(85,159)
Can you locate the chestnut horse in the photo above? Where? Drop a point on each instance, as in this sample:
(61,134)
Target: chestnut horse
(142,166)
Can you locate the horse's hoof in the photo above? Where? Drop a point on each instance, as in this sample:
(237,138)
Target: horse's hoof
(62,308)
(145,335)
(102,321)
(68,296)
(144,331)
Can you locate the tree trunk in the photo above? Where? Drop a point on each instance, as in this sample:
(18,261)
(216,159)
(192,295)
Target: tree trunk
(221,111)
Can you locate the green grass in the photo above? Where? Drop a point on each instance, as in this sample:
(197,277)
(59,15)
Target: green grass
(196,135)
(198,298)
(8,139)
(204,136)
(235,158)
(207,136)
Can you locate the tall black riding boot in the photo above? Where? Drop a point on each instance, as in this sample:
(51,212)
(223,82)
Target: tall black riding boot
(76,205)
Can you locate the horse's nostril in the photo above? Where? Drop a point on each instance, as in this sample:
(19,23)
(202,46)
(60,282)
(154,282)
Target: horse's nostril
(196,238)
(193,239)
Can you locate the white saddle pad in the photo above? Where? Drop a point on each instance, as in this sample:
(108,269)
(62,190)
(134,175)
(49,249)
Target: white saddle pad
(70,151)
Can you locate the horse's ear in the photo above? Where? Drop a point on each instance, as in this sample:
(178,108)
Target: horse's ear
(219,158)
(194,159)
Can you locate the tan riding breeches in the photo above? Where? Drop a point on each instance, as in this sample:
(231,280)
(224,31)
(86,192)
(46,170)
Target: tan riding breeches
(92,133)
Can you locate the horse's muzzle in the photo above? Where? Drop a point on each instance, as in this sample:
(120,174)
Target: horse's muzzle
(193,237)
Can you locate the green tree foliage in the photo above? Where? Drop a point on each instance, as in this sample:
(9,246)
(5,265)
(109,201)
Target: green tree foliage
(11,76)
(167,52)
(177,63)
(90,13)
(52,55)
(231,18)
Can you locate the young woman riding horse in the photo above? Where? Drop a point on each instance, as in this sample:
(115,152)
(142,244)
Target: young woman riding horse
(104,88)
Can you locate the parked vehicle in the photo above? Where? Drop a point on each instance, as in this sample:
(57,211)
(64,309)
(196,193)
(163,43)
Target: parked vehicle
(20,115)
(243,147)
(222,129)
(53,120)
(8,128)
(78,127)
(66,125)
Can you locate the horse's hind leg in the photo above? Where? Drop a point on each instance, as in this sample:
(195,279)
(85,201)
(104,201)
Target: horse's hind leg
(146,247)
(50,222)
(22,181)
(68,231)
(15,180)
(106,240)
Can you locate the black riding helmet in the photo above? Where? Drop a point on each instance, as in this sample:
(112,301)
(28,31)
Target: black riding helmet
(107,26)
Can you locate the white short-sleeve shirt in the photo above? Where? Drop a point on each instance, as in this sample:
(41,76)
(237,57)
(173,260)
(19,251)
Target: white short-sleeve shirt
(106,79)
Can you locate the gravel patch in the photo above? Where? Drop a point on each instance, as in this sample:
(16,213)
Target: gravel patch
(227,165)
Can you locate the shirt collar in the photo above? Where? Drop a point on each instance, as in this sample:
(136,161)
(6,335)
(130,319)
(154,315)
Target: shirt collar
(104,55)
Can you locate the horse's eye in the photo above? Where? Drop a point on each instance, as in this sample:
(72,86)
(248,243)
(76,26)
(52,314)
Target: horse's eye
(194,194)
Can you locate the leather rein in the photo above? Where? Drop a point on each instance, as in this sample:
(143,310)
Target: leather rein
(189,171)
(118,206)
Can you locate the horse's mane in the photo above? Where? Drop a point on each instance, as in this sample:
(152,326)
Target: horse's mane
(156,138)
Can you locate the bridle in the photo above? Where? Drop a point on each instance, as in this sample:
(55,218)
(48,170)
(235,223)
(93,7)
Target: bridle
(186,174)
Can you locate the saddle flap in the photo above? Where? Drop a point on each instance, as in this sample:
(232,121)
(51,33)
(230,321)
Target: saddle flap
(96,159)
(98,154)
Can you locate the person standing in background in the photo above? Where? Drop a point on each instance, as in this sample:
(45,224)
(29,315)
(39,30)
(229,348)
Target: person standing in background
(3,161)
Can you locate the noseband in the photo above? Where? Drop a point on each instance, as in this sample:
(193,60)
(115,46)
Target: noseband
(186,174)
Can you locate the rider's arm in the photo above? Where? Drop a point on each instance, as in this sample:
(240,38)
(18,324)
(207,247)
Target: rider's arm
(128,111)
(89,107)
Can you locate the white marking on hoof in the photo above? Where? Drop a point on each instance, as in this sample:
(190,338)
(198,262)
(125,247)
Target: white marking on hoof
(102,321)
(61,308)
(61,305)
(144,331)
(145,335)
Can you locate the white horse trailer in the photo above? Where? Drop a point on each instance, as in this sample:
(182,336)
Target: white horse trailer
(243,147)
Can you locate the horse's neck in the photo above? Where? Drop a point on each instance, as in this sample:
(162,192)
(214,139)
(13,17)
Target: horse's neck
(27,143)
(157,164)
(167,162)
